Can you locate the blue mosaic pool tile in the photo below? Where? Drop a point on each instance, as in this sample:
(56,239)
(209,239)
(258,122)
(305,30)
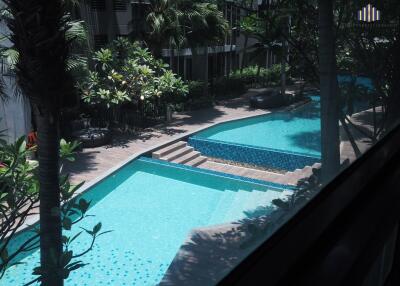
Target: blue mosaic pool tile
(264,157)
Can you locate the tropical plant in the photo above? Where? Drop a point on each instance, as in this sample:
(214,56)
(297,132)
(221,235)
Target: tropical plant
(204,24)
(165,30)
(183,23)
(42,75)
(172,88)
(19,201)
(253,76)
(76,61)
(125,72)
(196,98)
(249,26)
(174,23)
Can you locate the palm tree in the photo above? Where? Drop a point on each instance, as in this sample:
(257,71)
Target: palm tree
(39,30)
(248,27)
(163,22)
(76,60)
(204,26)
(194,24)
(329,87)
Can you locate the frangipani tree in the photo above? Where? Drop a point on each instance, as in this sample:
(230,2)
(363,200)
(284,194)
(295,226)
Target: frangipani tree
(126,72)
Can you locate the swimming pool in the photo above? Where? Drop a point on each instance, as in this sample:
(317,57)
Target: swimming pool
(151,206)
(285,140)
(296,131)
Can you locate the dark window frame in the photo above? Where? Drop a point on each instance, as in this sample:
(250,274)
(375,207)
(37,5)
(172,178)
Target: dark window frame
(98,5)
(120,5)
(336,215)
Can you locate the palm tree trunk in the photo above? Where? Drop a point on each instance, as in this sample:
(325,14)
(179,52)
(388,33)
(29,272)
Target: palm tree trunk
(283,69)
(38,33)
(49,196)
(328,85)
(244,55)
(200,66)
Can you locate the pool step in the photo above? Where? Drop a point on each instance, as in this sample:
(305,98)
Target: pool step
(188,157)
(293,178)
(177,154)
(180,153)
(247,204)
(197,161)
(169,149)
(223,206)
(242,171)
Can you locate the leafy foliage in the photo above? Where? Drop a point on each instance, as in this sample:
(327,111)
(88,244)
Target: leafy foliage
(126,72)
(179,23)
(76,61)
(258,76)
(19,187)
(197,99)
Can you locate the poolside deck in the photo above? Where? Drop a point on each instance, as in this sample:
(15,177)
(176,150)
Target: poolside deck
(93,163)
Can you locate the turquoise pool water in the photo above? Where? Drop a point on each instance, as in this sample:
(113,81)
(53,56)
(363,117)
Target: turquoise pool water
(151,207)
(296,131)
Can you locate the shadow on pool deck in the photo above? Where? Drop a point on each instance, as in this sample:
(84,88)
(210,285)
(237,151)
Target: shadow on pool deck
(209,254)
(92,163)
(307,140)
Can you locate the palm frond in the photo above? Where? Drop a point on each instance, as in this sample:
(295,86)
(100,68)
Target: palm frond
(11,57)
(76,62)
(77,33)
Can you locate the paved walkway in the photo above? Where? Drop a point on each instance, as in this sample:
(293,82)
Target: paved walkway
(362,126)
(95,162)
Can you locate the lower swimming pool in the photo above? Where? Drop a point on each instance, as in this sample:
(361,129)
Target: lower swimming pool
(151,206)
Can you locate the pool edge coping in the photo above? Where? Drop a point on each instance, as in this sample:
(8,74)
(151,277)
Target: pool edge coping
(268,184)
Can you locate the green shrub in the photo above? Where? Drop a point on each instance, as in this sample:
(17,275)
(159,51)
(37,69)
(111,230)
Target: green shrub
(196,89)
(229,87)
(197,97)
(125,72)
(273,74)
(255,76)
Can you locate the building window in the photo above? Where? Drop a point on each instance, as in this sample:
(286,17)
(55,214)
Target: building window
(100,41)
(120,5)
(98,4)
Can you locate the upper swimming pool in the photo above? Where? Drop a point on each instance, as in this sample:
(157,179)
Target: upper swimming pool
(286,140)
(151,206)
(297,131)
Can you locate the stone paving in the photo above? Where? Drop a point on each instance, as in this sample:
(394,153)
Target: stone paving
(94,162)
